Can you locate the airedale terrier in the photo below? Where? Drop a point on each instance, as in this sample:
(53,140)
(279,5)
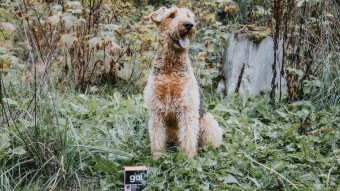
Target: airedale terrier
(172,94)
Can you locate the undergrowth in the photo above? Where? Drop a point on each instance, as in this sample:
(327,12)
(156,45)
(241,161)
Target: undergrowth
(83,140)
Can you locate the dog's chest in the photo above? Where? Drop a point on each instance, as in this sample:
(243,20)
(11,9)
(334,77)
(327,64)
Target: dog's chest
(169,88)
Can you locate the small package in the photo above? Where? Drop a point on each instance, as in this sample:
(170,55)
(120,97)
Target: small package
(135,178)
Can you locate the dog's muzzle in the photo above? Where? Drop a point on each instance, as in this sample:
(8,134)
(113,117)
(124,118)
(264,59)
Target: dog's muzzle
(188,26)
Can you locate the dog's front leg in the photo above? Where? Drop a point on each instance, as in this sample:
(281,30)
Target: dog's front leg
(157,134)
(188,130)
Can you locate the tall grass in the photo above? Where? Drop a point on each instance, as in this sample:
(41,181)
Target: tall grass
(312,48)
(61,137)
(324,88)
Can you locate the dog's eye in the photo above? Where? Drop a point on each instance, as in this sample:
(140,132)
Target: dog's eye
(172,16)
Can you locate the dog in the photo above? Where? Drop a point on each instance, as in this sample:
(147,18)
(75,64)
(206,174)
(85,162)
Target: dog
(172,94)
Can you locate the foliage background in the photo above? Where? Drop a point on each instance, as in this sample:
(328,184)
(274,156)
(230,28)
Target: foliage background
(72,113)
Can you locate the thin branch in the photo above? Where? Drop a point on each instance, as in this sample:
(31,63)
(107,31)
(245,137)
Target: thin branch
(328,175)
(271,170)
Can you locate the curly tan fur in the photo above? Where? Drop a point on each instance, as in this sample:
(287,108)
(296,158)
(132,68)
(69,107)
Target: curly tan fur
(172,93)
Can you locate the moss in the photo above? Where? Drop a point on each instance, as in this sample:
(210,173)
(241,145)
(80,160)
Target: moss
(255,34)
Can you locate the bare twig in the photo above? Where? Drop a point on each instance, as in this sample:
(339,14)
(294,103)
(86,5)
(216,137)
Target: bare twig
(271,170)
(328,175)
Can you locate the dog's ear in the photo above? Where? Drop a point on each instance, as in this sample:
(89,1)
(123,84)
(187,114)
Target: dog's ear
(158,15)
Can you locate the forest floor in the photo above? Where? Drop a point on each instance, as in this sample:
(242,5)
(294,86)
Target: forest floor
(84,140)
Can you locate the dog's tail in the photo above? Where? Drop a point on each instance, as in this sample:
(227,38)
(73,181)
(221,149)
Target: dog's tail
(210,132)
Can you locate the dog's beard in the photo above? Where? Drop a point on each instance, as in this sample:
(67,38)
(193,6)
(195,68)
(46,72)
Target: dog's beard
(182,40)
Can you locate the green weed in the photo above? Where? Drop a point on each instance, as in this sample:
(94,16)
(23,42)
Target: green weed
(83,141)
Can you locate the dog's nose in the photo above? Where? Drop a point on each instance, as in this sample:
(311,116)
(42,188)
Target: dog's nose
(188,25)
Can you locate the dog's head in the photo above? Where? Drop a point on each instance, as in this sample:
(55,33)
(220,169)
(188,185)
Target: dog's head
(175,25)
